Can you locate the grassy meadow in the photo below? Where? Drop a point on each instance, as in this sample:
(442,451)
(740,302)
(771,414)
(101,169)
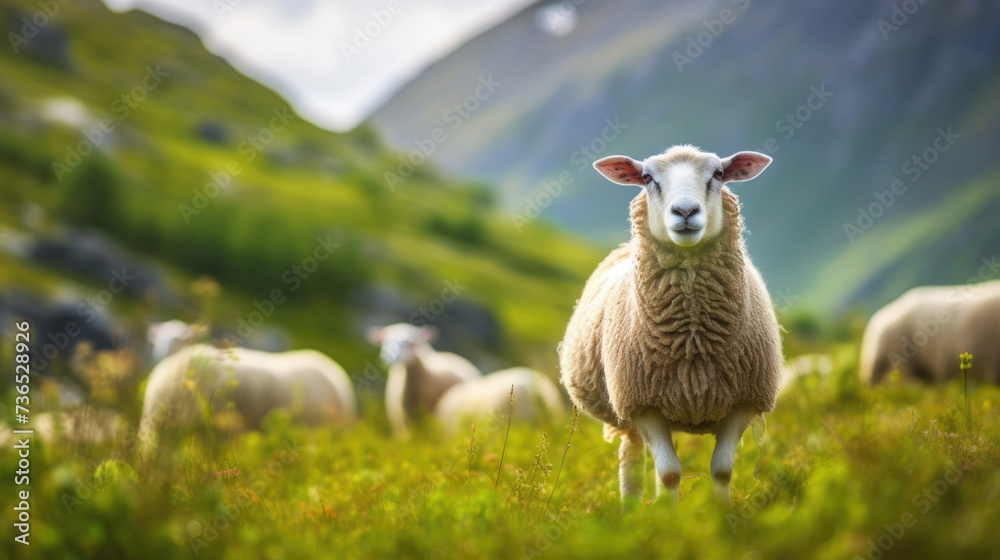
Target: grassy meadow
(840,471)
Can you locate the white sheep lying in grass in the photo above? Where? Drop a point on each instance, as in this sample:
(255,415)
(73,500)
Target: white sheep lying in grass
(675,329)
(922,333)
(250,383)
(536,396)
(418,374)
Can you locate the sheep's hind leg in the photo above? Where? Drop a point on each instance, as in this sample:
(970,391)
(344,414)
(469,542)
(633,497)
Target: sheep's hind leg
(631,457)
(730,431)
(653,428)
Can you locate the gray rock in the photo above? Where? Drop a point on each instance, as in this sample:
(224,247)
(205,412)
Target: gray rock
(56,328)
(98,257)
(212,132)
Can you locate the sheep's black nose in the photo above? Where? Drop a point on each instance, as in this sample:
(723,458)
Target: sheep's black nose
(686,211)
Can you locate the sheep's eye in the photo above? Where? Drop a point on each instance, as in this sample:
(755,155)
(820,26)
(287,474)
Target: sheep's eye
(718,174)
(647,178)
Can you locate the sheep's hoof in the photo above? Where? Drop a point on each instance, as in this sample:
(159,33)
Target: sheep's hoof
(631,503)
(722,494)
(721,482)
(671,488)
(669,497)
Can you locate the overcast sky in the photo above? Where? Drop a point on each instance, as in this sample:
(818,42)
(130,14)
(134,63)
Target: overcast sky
(310,51)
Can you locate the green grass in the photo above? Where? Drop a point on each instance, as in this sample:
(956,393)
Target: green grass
(838,465)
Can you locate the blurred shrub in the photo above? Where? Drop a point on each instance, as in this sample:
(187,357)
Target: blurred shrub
(91,195)
(366,136)
(483,197)
(368,182)
(255,250)
(27,156)
(250,247)
(468,228)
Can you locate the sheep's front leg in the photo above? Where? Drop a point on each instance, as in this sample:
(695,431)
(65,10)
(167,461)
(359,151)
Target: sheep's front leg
(653,428)
(726,438)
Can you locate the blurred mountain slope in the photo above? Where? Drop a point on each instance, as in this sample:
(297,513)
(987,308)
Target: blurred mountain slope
(211,173)
(675,72)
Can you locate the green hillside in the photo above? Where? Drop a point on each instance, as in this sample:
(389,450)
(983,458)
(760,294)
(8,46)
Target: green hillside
(152,183)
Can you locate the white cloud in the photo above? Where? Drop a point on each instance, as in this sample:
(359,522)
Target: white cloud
(296,46)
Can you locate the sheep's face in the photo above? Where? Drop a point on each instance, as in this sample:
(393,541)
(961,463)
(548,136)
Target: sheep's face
(683,189)
(166,338)
(398,341)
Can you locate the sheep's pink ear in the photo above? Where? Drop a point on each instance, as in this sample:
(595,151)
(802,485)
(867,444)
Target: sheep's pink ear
(743,166)
(374,335)
(428,333)
(621,169)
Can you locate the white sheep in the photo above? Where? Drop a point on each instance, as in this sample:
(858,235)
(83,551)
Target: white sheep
(310,385)
(922,333)
(536,396)
(166,338)
(675,329)
(418,374)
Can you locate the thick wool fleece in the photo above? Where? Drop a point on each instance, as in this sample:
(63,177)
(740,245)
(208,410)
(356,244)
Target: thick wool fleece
(688,332)
(963,318)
